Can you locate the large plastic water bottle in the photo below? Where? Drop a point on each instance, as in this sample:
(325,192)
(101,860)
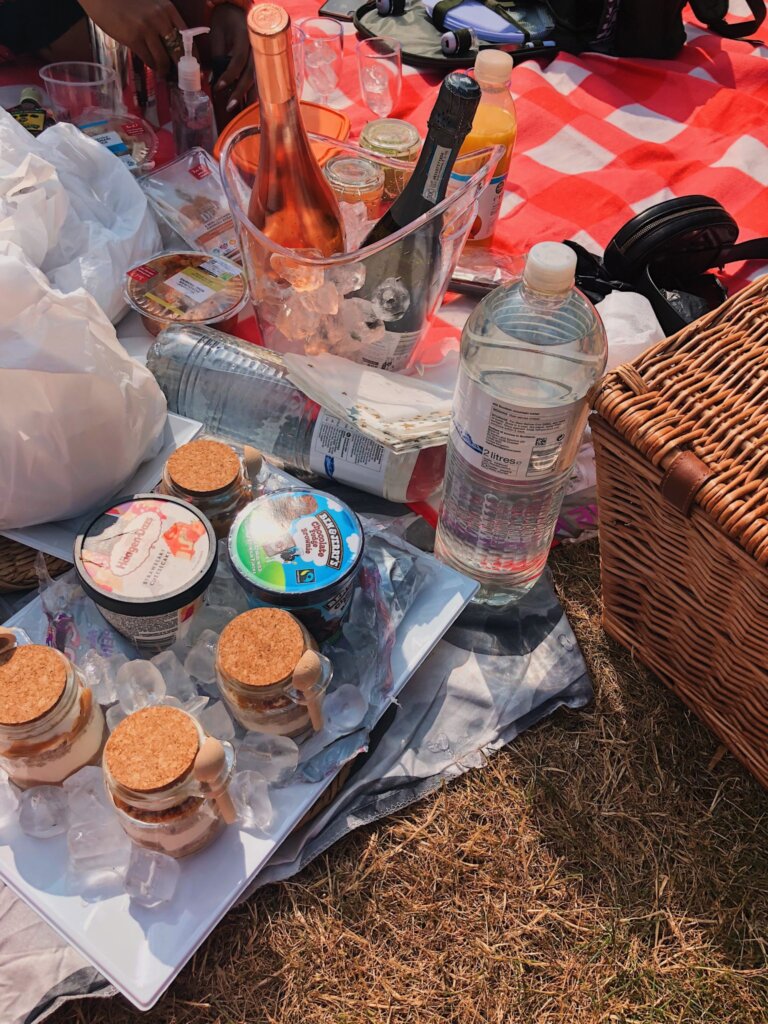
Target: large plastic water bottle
(530,352)
(243,392)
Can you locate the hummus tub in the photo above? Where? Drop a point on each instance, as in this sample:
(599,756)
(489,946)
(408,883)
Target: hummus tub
(146,562)
(300,550)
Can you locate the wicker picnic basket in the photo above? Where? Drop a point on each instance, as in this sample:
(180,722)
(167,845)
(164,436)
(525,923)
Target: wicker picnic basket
(681,443)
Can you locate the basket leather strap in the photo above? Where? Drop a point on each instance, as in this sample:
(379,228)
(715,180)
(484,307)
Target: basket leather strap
(683,480)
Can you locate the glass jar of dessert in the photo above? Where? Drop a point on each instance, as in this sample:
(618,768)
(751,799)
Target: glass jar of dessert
(168,780)
(211,476)
(270,674)
(50,725)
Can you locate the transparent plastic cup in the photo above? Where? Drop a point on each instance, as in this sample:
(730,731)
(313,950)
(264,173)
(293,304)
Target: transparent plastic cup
(308,303)
(77,87)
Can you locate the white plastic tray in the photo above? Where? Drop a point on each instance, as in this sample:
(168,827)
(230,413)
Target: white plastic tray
(141,951)
(58,538)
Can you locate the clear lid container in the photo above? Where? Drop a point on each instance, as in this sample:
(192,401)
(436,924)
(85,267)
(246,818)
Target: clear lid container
(185,287)
(130,138)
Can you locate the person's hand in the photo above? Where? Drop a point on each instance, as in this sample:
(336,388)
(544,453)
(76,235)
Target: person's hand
(229,38)
(139,24)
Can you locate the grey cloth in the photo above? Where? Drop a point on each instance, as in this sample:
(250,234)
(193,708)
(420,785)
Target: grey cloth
(489,679)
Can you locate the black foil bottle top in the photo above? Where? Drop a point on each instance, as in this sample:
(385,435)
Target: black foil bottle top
(456,104)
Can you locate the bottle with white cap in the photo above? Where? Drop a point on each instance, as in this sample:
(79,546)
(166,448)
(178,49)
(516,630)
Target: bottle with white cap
(194,123)
(494,124)
(530,352)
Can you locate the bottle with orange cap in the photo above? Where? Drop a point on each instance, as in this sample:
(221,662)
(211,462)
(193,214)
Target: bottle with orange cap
(494,124)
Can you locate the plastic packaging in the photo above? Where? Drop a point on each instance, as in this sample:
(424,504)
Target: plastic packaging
(298,550)
(194,123)
(68,391)
(129,138)
(187,195)
(186,287)
(30,113)
(243,392)
(530,352)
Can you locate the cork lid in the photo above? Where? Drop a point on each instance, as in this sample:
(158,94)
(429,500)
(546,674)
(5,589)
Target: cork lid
(261,647)
(152,749)
(32,680)
(203,467)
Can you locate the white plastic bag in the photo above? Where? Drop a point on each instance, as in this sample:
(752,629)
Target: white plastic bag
(75,210)
(77,414)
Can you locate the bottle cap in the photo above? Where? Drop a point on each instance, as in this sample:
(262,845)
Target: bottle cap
(493,67)
(269,28)
(550,267)
(456,104)
(31,93)
(189,67)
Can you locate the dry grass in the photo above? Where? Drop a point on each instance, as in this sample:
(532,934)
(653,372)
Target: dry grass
(603,869)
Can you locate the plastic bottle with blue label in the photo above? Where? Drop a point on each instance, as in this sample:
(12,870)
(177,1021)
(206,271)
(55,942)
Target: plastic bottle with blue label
(494,124)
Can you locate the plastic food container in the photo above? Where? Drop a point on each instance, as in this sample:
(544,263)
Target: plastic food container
(130,138)
(150,767)
(256,656)
(146,563)
(186,288)
(211,476)
(299,550)
(50,725)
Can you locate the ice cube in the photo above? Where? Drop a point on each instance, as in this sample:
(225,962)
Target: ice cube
(201,660)
(344,710)
(139,684)
(209,616)
(86,796)
(216,721)
(361,321)
(177,680)
(304,277)
(375,79)
(226,591)
(273,757)
(43,811)
(223,568)
(9,799)
(250,795)
(115,716)
(349,277)
(391,299)
(98,845)
(295,321)
(152,877)
(99,675)
(196,704)
(356,224)
(323,300)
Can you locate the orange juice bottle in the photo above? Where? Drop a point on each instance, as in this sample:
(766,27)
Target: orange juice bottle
(494,124)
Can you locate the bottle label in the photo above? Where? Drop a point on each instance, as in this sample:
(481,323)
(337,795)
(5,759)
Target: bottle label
(340,452)
(437,167)
(393,351)
(512,442)
(488,205)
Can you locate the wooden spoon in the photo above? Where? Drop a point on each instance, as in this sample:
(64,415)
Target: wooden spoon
(209,768)
(306,676)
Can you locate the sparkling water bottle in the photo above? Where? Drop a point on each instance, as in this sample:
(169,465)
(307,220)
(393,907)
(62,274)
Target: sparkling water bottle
(243,392)
(530,352)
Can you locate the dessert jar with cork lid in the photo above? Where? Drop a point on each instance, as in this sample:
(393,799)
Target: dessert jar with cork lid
(168,780)
(210,475)
(270,674)
(50,725)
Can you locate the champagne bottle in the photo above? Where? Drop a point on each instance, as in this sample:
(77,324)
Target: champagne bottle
(398,279)
(291,202)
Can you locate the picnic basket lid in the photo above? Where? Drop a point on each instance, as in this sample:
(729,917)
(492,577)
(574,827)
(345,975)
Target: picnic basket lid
(696,406)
